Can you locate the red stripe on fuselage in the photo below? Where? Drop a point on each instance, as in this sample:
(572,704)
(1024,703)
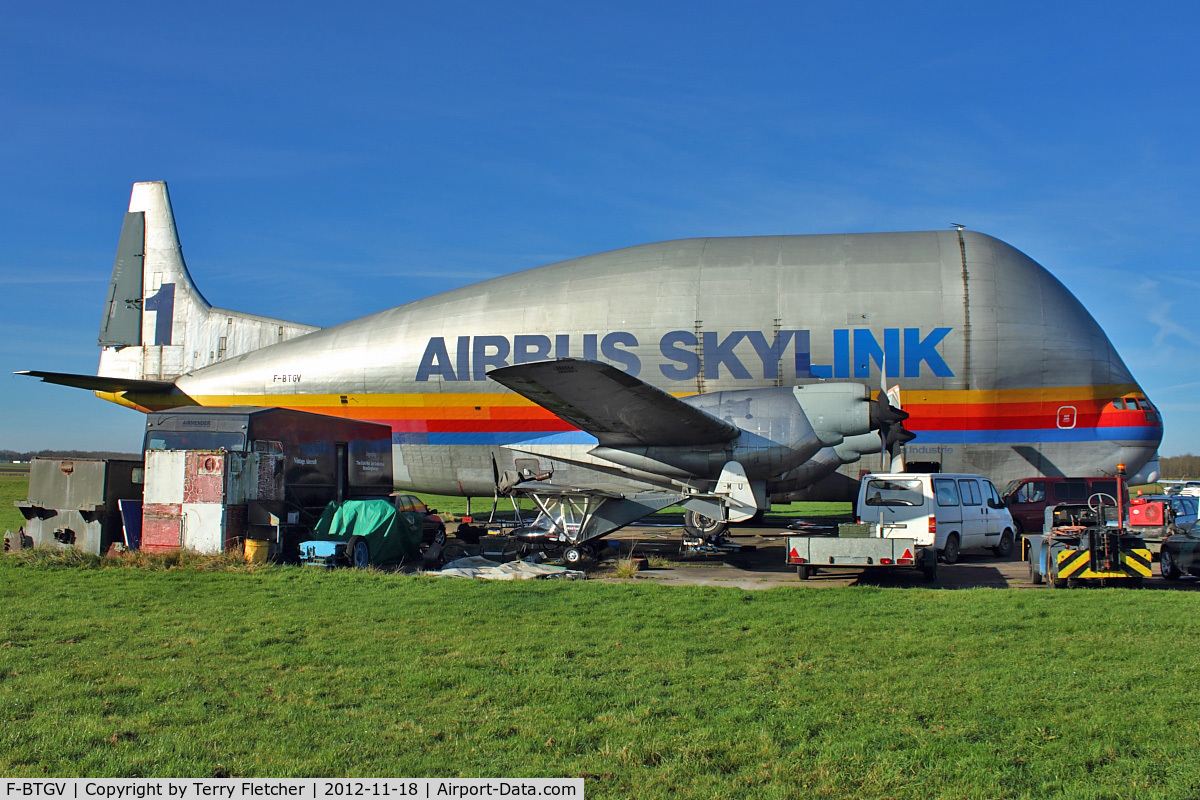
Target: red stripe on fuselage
(1024,416)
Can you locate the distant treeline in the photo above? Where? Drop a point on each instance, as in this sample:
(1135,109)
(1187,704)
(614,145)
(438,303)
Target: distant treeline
(1177,467)
(13,455)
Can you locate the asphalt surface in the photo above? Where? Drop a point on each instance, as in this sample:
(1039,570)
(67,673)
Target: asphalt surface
(764,567)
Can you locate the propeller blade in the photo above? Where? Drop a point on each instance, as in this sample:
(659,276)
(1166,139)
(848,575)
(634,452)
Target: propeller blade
(897,436)
(889,417)
(883,412)
(508,482)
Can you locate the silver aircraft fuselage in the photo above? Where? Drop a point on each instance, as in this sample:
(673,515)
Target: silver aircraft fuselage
(1003,371)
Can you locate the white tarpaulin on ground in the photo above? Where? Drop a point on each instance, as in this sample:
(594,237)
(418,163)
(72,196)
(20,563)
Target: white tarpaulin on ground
(479,567)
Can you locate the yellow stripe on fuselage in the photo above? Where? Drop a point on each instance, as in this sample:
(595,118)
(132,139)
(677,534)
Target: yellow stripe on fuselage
(914,397)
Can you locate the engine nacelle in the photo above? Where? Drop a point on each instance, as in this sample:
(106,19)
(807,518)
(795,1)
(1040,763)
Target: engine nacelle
(826,462)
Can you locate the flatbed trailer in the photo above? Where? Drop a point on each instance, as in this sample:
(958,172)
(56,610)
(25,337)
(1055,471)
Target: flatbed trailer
(862,547)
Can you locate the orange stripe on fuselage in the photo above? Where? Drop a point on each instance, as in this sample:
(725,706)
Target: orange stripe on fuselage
(930,410)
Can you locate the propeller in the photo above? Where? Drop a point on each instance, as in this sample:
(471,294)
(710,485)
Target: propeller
(890,417)
(505,481)
(508,480)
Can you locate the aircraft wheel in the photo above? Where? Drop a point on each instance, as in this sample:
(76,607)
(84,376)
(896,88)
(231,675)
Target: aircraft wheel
(705,527)
(573,556)
(950,551)
(1167,566)
(360,552)
(1005,548)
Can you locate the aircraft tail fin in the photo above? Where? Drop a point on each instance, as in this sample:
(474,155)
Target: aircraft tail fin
(156,324)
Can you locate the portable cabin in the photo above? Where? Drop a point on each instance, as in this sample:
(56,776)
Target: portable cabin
(218,475)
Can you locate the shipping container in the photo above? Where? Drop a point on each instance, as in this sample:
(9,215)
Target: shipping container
(74,502)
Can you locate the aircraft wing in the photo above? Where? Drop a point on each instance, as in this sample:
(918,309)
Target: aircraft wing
(98,383)
(563,490)
(615,407)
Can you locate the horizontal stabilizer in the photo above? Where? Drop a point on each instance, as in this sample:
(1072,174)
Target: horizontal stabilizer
(99,383)
(615,407)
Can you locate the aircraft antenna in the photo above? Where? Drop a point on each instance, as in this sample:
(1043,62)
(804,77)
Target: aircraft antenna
(956,225)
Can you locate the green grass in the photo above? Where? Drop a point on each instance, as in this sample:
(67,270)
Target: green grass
(13,486)
(651,691)
(780,514)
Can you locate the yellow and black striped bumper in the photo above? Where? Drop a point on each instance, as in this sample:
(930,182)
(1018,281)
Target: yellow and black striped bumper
(1076,564)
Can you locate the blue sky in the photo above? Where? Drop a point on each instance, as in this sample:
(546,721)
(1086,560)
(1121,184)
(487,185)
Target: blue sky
(325,164)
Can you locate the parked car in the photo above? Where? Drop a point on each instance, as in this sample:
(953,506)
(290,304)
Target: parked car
(433,529)
(361,533)
(1027,498)
(1187,511)
(1180,555)
(963,511)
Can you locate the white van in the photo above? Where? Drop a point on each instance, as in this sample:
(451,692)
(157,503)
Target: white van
(952,512)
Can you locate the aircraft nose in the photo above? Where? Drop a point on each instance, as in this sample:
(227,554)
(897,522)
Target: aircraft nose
(1149,473)
(1142,457)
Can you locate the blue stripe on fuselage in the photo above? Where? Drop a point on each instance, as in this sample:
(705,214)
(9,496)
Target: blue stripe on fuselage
(1131,434)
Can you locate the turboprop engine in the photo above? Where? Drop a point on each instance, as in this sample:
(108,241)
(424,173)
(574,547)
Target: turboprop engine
(728,443)
(775,430)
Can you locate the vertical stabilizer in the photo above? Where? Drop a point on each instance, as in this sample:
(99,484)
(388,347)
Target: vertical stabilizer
(122,322)
(156,324)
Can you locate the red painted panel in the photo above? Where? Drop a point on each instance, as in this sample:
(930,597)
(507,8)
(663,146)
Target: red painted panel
(162,527)
(204,477)
(1147,514)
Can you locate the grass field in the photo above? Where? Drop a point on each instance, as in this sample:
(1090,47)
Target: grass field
(648,691)
(13,486)
(781,513)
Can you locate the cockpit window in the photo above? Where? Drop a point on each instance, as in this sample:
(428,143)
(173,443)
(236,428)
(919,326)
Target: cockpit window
(1119,404)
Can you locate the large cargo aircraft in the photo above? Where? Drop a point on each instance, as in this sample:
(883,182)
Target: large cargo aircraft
(744,369)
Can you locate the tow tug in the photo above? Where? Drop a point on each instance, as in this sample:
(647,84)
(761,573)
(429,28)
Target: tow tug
(1089,543)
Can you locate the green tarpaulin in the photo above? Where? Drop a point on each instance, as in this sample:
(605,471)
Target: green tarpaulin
(390,537)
